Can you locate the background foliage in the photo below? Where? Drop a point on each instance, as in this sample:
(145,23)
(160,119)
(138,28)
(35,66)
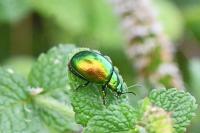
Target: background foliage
(30,27)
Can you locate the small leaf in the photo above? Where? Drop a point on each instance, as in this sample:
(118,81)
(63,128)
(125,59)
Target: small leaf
(157,120)
(153,119)
(115,118)
(181,105)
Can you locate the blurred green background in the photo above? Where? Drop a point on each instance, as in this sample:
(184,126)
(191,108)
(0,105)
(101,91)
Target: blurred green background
(30,27)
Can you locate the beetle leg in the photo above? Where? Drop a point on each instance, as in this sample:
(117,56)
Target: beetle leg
(118,94)
(83,85)
(104,93)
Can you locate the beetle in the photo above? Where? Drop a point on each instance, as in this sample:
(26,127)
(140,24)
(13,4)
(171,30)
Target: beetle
(93,67)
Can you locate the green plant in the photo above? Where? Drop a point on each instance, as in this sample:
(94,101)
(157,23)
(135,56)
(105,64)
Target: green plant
(42,103)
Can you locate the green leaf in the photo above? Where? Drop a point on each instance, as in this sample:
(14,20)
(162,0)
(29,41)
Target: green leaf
(48,78)
(181,105)
(115,118)
(14,10)
(17,115)
(87,102)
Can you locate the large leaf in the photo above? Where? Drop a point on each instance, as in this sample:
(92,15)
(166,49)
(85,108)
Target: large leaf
(49,77)
(32,109)
(17,115)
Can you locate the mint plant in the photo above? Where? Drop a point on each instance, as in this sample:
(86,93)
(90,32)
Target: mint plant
(47,102)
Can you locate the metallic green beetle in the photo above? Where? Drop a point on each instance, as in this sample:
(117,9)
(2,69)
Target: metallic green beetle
(93,67)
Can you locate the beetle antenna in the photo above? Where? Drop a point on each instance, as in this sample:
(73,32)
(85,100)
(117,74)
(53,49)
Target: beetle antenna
(129,92)
(135,85)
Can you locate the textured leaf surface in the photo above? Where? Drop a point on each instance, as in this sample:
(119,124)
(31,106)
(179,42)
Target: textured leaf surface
(181,104)
(115,118)
(16,113)
(50,70)
(86,103)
